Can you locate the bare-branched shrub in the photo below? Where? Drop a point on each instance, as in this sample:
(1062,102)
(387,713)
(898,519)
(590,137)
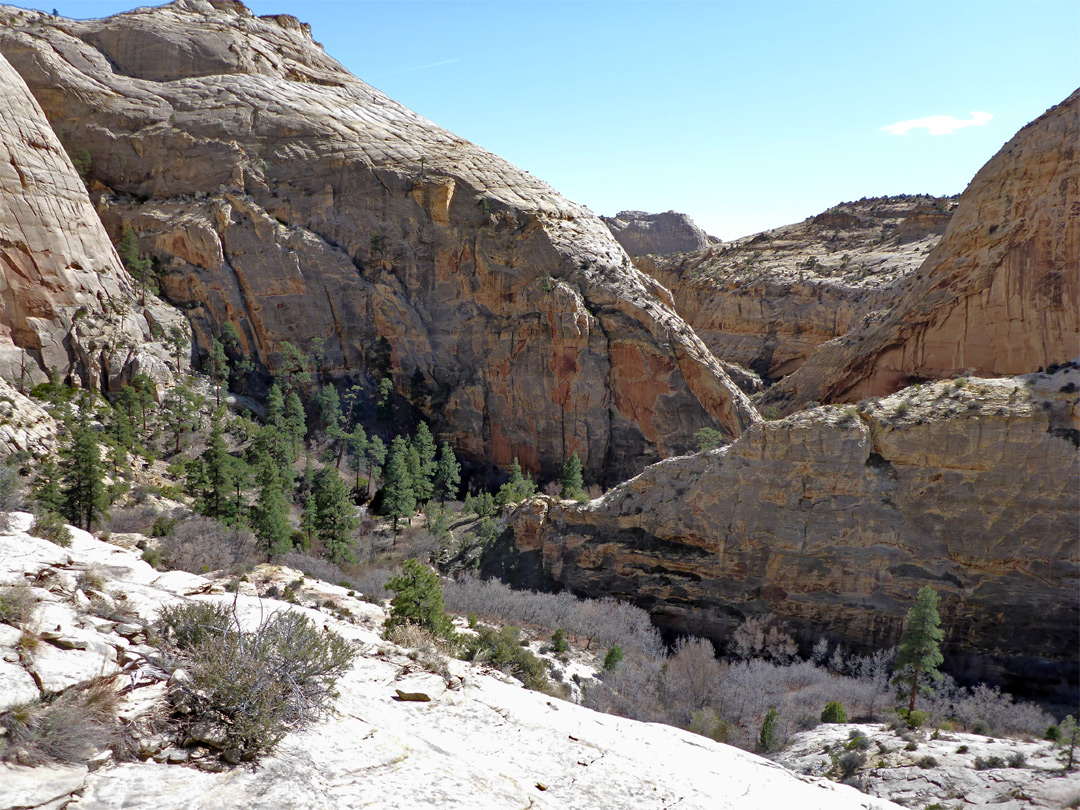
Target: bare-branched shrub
(986,710)
(243,691)
(70,728)
(691,679)
(137,518)
(759,637)
(11,493)
(50,526)
(202,544)
(600,623)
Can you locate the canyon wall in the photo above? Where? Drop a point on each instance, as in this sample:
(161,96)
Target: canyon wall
(999,292)
(67,302)
(280,194)
(833,518)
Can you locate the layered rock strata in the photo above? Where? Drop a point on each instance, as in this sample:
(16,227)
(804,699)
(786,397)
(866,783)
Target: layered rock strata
(997,295)
(67,302)
(285,197)
(767,301)
(833,518)
(671,232)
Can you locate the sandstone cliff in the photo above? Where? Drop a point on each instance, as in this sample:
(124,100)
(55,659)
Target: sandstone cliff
(833,518)
(479,741)
(767,301)
(284,196)
(68,303)
(671,232)
(997,295)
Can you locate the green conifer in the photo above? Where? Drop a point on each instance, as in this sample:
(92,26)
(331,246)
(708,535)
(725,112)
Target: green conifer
(919,656)
(572,484)
(399,498)
(447,475)
(335,519)
(83,479)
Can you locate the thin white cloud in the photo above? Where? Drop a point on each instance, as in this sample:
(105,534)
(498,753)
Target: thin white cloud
(418,67)
(939,124)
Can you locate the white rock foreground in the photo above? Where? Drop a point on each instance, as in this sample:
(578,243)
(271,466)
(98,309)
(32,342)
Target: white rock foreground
(483,741)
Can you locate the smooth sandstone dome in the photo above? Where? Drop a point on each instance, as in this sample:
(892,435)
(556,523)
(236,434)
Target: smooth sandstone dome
(284,196)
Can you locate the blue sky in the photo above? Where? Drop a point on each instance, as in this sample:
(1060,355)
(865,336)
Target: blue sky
(745,115)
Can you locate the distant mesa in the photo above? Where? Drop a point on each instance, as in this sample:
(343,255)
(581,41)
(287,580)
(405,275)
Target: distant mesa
(641,233)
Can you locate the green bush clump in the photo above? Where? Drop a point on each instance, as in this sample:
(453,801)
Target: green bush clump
(558,641)
(834,713)
(916,719)
(857,741)
(613,657)
(927,762)
(849,762)
(986,763)
(503,650)
(243,691)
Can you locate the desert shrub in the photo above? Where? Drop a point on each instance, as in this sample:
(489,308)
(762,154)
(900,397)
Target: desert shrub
(91,580)
(418,600)
(16,604)
(502,650)
(986,763)
(70,727)
(1017,760)
(163,526)
(138,518)
(708,723)
(849,762)
(243,691)
(50,526)
(963,749)
(11,493)
(604,622)
(201,544)
(917,719)
(428,650)
(187,625)
(927,762)
(834,713)
(857,741)
(987,710)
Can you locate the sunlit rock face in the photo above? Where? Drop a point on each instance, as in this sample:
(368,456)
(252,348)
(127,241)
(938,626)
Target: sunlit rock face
(997,295)
(284,196)
(833,518)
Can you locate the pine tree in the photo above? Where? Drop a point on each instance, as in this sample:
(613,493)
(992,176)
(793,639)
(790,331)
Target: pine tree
(919,656)
(217,363)
(384,408)
(376,458)
(214,476)
(418,600)
(329,403)
(309,522)
(137,266)
(47,492)
(424,477)
(83,480)
(399,499)
(295,426)
(572,484)
(517,489)
(270,519)
(335,518)
(447,475)
(357,443)
(181,412)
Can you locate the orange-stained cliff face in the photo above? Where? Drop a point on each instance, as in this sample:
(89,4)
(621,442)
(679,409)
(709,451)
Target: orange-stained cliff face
(282,195)
(999,294)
